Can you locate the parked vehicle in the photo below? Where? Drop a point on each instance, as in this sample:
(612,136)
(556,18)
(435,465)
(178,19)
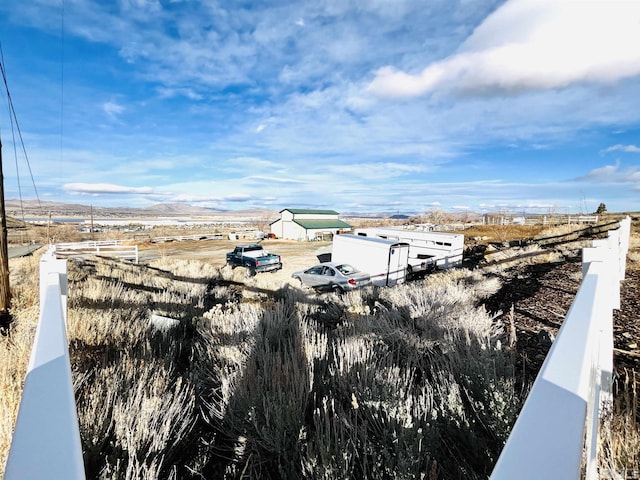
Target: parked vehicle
(254,258)
(332,276)
(385,260)
(427,250)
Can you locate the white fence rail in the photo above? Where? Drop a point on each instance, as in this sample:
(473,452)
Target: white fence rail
(558,425)
(46,440)
(113,248)
(583,219)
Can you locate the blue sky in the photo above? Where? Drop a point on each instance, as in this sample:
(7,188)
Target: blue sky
(356,105)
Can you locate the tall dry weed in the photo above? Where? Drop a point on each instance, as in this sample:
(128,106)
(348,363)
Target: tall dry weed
(15,346)
(14,357)
(140,413)
(559,230)
(287,384)
(136,402)
(619,438)
(301,386)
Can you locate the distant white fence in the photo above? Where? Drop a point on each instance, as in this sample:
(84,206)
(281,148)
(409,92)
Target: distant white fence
(112,248)
(183,238)
(46,440)
(513,219)
(583,219)
(558,425)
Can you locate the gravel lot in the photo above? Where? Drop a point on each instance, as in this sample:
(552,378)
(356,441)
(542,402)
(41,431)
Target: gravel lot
(295,255)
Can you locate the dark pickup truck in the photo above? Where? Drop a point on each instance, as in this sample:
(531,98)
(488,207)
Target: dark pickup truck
(254,258)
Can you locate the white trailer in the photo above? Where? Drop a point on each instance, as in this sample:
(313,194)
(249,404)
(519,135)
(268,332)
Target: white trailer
(384,260)
(427,250)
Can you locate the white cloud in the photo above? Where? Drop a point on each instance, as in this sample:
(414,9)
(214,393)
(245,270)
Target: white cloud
(614,174)
(622,148)
(371,171)
(200,199)
(530,45)
(215,201)
(244,164)
(267,179)
(266,104)
(105,188)
(113,109)
(238,197)
(602,173)
(529,206)
(166,92)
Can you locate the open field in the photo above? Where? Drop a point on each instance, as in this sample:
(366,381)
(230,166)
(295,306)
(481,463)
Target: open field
(261,379)
(295,255)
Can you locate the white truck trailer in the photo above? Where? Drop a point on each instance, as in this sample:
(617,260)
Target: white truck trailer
(427,250)
(385,260)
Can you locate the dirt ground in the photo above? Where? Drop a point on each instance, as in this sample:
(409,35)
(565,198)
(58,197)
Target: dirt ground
(295,255)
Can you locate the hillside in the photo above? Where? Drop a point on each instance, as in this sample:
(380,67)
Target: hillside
(33,208)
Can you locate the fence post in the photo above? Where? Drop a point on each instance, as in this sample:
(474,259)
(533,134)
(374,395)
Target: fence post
(49,264)
(46,440)
(601,258)
(623,246)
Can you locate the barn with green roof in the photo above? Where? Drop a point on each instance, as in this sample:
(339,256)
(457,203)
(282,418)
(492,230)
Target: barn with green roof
(305,224)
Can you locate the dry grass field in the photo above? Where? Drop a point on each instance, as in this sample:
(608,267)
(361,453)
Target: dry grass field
(257,378)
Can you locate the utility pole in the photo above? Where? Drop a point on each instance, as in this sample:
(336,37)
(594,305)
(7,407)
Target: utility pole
(5,292)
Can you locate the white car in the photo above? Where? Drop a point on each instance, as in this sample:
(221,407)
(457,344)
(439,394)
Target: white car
(332,276)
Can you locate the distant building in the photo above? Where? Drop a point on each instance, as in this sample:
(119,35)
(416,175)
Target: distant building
(302,224)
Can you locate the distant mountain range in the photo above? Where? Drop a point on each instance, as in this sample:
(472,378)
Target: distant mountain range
(33,208)
(27,209)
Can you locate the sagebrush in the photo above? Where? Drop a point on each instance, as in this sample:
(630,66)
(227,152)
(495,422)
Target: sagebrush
(243,379)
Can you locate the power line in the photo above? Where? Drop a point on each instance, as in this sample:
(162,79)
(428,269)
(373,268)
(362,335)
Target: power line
(12,114)
(60,161)
(15,157)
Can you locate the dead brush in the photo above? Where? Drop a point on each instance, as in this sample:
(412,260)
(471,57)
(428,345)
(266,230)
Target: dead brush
(400,382)
(144,415)
(403,382)
(14,357)
(15,347)
(619,439)
(226,340)
(256,427)
(559,230)
(529,255)
(24,281)
(130,369)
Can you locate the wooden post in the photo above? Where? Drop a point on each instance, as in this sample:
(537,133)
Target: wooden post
(5,292)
